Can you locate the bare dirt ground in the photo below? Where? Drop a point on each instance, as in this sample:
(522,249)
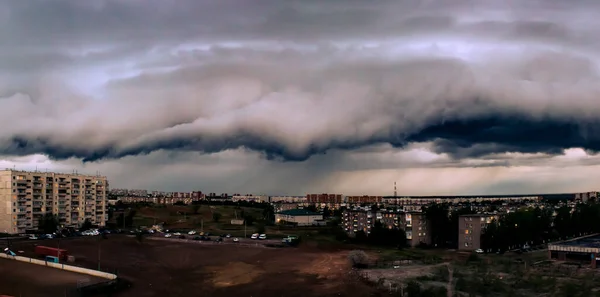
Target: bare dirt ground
(30,280)
(159,268)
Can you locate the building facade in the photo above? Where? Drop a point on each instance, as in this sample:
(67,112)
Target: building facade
(470,229)
(301,217)
(26,196)
(331,199)
(586,197)
(414,224)
(250,198)
(364,199)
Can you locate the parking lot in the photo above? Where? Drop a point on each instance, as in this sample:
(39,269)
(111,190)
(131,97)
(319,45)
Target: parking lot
(216,239)
(167,267)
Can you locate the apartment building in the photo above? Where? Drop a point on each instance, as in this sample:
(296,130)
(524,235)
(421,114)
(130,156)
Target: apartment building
(363,199)
(331,199)
(413,223)
(250,198)
(470,228)
(586,197)
(288,199)
(73,198)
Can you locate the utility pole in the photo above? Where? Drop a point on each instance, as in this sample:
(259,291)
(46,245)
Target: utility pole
(99,250)
(245,229)
(202,225)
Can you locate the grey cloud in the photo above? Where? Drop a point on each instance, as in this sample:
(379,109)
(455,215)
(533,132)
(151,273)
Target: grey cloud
(307,86)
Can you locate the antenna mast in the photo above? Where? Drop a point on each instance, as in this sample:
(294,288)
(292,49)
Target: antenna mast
(395,193)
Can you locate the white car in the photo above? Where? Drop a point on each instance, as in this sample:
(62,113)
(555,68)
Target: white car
(168,235)
(177,234)
(33,237)
(262,236)
(236,239)
(254,236)
(193,232)
(479,251)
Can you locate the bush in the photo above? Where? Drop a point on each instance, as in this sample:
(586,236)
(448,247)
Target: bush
(358,259)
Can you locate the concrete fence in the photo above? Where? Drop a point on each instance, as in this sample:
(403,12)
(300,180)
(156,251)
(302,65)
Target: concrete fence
(71,268)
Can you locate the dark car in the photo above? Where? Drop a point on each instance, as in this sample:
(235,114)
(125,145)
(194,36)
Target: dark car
(197,238)
(181,236)
(220,239)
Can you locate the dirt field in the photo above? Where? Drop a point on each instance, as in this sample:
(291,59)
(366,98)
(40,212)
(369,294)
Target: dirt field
(30,280)
(158,268)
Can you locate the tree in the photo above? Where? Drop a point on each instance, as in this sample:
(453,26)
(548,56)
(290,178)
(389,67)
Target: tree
(326,212)
(358,259)
(413,289)
(249,220)
(195,208)
(87,225)
(438,216)
(380,235)
(216,216)
(260,228)
(129,218)
(48,223)
(269,214)
(139,237)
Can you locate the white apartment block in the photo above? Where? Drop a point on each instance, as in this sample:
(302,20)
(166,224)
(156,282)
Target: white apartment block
(73,198)
(250,198)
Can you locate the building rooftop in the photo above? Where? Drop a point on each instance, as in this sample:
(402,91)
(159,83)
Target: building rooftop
(587,242)
(298,212)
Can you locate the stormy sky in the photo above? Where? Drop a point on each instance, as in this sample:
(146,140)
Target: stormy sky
(445,97)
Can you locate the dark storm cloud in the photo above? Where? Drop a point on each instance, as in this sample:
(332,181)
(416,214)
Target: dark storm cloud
(294,79)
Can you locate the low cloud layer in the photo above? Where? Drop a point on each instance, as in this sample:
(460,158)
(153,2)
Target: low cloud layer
(291,80)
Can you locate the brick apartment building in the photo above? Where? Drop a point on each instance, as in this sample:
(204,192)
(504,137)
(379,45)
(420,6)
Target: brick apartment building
(470,229)
(331,199)
(364,199)
(414,224)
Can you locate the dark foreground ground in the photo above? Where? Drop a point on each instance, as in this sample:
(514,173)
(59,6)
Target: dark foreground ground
(159,268)
(30,280)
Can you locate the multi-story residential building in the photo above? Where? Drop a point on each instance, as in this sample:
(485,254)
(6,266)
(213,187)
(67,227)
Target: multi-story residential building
(413,223)
(331,199)
(363,199)
(470,229)
(586,197)
(417,228)
(288,199)
(26,196)
(250,198)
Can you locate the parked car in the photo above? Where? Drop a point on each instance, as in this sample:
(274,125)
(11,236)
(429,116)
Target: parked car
(193,232)
(168,235)
(235,239)
(181,236)
(254,236)
(177,234)
(262,237)
(479,251)
(228,235)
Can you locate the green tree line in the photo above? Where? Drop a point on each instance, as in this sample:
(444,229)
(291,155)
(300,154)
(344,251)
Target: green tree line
(527,225)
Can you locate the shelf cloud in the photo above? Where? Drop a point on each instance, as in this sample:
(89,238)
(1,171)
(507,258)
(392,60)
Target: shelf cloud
(291,81)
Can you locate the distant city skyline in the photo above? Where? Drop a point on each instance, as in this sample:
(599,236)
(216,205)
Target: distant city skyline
(443,97)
